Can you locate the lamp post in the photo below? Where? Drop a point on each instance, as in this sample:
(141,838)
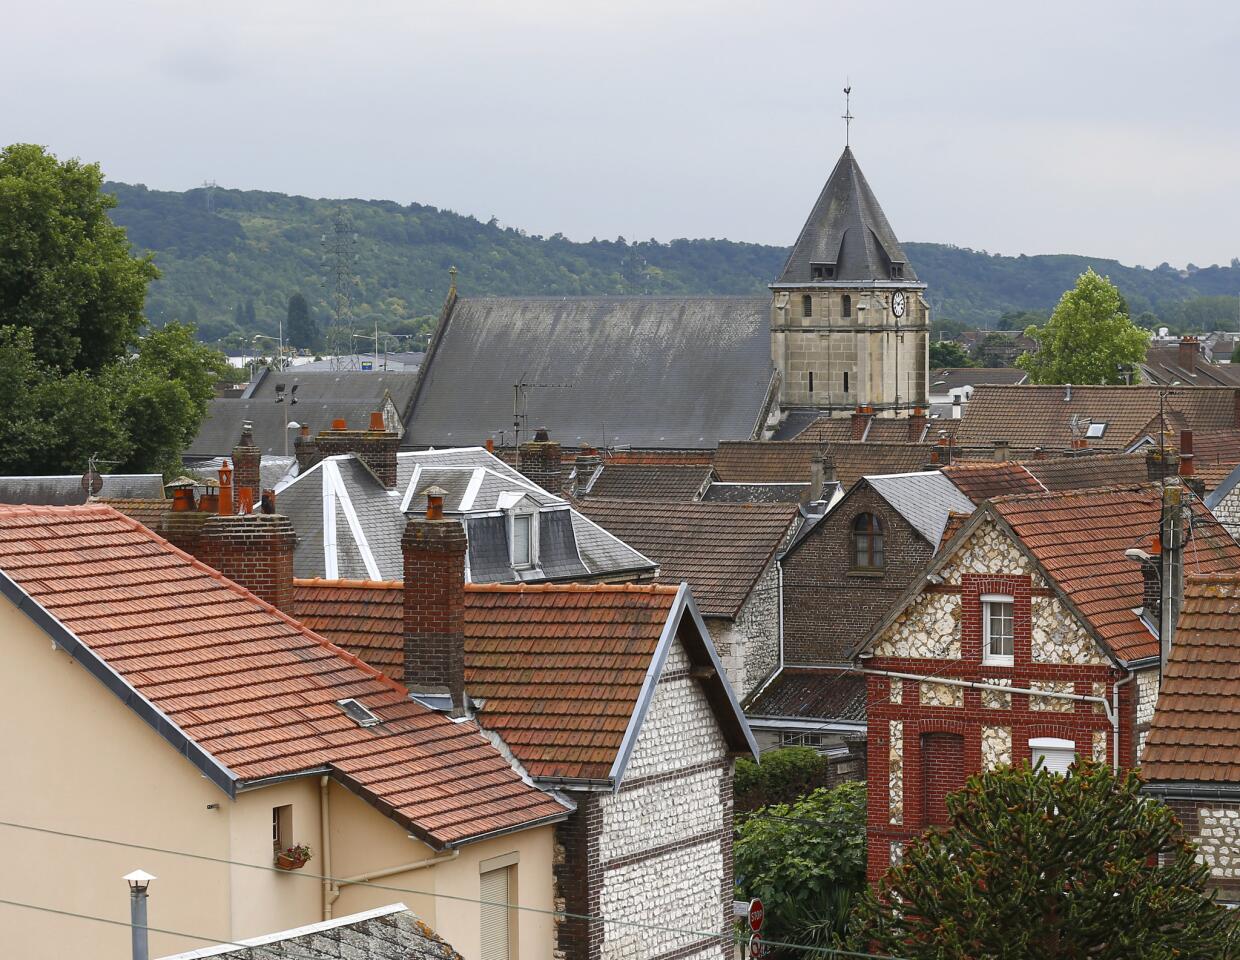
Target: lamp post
(138,881)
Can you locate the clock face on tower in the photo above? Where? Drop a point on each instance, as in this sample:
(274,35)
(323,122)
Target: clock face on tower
(897,303)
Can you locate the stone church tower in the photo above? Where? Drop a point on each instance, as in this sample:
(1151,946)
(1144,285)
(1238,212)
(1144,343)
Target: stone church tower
(849,324)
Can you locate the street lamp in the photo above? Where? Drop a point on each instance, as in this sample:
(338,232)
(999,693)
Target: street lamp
(138,881)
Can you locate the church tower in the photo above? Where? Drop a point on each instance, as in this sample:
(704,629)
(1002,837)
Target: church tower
(849,324)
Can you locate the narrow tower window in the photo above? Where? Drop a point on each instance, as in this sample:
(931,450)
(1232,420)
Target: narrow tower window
(845,381)
(811,381)
(847,305)
(807,306)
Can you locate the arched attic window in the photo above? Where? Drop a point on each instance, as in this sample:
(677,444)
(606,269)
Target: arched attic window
(807,306)
(846,305)
(867,542)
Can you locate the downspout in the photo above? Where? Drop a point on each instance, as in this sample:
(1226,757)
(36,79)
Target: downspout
(325,844)
(1115,723)
(780,566)
(390,872)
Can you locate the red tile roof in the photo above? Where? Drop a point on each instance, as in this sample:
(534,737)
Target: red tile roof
(250,686)
(1091,470)
(648,481)
(1079,538)
(558,666)
(981,480)
(146,512)
(788,461)
(1196,731)
(719,549)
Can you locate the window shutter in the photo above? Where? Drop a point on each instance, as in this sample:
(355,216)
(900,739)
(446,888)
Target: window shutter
(1056,754)
(493,887)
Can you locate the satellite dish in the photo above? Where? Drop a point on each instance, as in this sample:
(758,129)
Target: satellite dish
(91,482)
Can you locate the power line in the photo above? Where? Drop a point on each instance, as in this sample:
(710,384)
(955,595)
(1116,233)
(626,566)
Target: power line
(559,914)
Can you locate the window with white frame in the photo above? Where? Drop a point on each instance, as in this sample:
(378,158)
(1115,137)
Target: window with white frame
(997,631)
(1054,753)
(524,547)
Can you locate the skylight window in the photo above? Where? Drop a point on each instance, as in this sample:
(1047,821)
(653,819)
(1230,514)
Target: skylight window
(1096,430)
(358,713)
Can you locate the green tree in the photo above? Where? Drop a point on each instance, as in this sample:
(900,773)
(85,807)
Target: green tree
(300,327)
(1036,866)
(783,776)
(1235,352)
(948,353)
(1088,339)
(66,272)
(806,862)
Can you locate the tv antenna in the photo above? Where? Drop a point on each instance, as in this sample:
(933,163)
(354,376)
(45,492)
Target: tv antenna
(340,281)
(520,406)
(209,186)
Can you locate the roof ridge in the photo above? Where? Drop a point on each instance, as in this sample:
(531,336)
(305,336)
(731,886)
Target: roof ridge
(1078,492)
(651,588)
(345,583)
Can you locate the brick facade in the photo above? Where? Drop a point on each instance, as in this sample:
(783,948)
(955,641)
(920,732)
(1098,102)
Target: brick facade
(247,460)
(255,550)
(925,737)
(374,447)
(829,606)
(434,605)
(539,460)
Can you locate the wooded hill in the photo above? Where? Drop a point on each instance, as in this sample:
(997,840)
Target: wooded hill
(230,259)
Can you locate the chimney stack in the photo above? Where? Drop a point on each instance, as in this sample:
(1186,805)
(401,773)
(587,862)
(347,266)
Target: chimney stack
(254,550)
(586,463)
(1187,354)
(247,460)
(1002,452)
(1151,590)
(539,460)
(861,418)
(916,424)
(375,446)
(305,449)
(1171,579)
(434,550)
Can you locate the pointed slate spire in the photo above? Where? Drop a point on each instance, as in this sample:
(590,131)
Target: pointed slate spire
(847,238)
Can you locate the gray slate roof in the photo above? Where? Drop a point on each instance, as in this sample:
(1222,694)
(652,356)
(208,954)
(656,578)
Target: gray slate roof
(66,489)
(478,488)
(847,228)
(923,499)
(646,371)
(345,386)
(385,933)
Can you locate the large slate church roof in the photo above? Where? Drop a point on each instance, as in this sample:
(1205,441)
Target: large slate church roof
(847,228)
(681,372)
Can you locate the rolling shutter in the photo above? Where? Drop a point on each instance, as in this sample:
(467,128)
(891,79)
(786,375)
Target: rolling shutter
(493,888)
(1056,754)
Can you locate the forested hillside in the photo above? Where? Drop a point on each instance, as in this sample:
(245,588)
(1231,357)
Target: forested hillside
(230,259)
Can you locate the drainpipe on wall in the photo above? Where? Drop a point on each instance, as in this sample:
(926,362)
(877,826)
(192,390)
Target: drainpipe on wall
(1172,568)
(325,844)
(438,858)
(1115,724)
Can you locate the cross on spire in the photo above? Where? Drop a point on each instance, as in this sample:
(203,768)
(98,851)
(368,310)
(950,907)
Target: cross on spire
(847,117)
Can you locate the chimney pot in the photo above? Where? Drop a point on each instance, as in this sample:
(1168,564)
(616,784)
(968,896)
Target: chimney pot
(541,435)
(225,505)
(268,504)
(490,445)
(434,502)
(182,499)
(376,421)
(340,423)
(245,501)
(303,430)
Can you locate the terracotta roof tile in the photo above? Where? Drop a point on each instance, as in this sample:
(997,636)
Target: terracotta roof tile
(559,667)
(248,684)
(1091,470)
(1030,416)
(146,512)
(1079,538)
(1195,735)
(788,461)
(719,549)
(983,480)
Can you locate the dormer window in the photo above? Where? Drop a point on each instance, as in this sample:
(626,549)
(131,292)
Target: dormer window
(897,271)
(822,271)
(523,540)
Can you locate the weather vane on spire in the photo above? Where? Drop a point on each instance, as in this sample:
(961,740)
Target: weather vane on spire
(847,117)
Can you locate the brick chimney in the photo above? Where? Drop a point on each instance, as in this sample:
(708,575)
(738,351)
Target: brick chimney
(586,463)
(1187,471)
(254,550)
(1187,354)
(821,473)
(305,449)
(247,460)
(182,524)
(1160,464)
(861,418)
(434,548)
(539,460)
(916,424)
(375,446)
(1002,451)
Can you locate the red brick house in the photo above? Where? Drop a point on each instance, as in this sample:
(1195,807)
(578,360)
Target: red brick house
(1031,635)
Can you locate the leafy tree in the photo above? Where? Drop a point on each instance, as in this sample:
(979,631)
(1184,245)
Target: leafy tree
(1036,866)
(806,861)
(996,350)
(66,272)
(783,776)
(1235,352)
(1088,338)
(948,353)
(300,327)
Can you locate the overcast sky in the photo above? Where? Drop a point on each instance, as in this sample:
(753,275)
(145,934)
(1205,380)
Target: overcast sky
(1110,129)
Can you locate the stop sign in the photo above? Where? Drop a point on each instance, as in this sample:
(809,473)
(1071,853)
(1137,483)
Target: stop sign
(755,914)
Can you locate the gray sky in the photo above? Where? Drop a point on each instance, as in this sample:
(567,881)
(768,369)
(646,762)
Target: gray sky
(1104,128)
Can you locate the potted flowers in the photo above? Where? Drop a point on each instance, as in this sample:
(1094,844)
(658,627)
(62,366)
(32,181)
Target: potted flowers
(294,858)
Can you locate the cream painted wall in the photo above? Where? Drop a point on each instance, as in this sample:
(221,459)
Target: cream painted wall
(76,759)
